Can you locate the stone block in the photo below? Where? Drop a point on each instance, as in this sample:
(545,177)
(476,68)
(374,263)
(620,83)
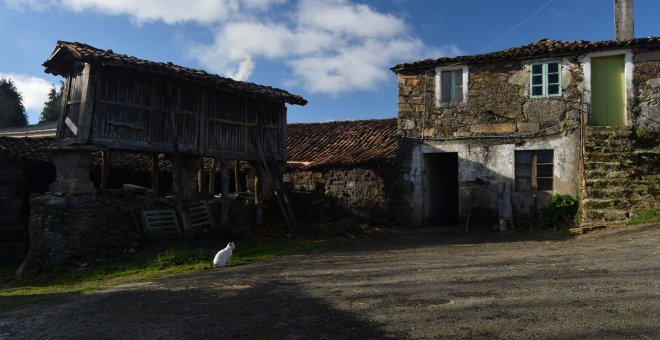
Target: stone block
(413,82)
(494,128)
(528,127)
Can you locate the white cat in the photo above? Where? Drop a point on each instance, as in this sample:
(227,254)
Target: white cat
(221,259)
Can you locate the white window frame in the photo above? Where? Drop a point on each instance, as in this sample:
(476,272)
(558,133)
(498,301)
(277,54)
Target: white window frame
(544,75)
(438,83)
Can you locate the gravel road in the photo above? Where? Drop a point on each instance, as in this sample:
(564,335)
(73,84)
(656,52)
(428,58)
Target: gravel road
(425,285)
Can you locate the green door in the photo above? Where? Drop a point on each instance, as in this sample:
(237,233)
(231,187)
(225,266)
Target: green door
(608,91)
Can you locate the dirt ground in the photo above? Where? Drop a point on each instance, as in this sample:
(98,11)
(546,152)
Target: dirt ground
(426,285)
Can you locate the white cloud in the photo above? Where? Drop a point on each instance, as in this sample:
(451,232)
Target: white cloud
(34,91)
(145,11)
(331,46)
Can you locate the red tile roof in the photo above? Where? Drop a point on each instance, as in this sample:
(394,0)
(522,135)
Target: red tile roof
(541,48)
(65,51)
(341,143)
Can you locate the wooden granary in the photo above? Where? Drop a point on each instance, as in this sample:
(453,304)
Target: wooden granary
(113,101)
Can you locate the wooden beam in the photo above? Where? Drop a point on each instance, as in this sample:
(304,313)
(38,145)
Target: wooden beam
(202,183)
(105,168)
(224,183)
(212,176)
(86,104)
(258,193)
(63,105)
(176,161)
(155,172)
(237,176)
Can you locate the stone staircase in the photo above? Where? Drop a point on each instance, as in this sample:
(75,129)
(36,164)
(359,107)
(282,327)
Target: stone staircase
(620,178)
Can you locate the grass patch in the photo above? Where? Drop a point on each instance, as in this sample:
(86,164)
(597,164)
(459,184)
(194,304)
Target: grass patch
(648,216)
(149,263)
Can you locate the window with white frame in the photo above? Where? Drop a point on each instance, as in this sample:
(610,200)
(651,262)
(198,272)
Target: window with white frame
(545,79)
(451,85)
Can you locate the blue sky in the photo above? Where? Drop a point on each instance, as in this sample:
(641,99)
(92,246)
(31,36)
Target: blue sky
(335,53)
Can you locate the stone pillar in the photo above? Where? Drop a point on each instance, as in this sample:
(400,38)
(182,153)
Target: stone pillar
(190,165)
(72,166)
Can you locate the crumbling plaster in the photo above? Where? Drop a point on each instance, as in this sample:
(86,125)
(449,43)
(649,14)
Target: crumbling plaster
(484,172)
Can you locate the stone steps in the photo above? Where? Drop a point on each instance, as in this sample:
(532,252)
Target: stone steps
(605,215)
(619,178)
(608,203)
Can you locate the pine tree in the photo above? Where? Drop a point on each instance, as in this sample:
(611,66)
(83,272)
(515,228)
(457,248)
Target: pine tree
(12,111)
(51,112)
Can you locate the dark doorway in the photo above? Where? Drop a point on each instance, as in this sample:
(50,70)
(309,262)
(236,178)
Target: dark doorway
(441,189)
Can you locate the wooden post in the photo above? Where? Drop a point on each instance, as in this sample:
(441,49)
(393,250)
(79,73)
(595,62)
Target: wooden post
(176,161)
(237,176)
(86,105)
(155,172)
(202,184)
(224,183)
(105,168)
(258,193)
(214,168)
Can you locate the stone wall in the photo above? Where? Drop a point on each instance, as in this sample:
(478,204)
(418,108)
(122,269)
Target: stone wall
(362,191)
(13,208)
(646,80)
(67,228)
(497,102)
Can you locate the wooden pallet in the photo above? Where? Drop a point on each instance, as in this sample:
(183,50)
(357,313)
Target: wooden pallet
(199,217)
(161,224)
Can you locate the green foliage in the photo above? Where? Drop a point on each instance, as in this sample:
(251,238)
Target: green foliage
(12,111)
(648,216)
(51,111)
(560,213)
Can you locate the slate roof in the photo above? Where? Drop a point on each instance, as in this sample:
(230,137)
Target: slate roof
(66,52)
(341,143)
(542,48)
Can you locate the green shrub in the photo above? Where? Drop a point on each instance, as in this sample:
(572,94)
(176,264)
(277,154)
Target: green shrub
(560,213)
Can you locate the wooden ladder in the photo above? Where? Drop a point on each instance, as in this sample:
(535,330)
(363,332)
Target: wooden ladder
(276,183)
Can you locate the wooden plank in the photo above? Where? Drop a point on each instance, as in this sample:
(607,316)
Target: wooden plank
(86,104)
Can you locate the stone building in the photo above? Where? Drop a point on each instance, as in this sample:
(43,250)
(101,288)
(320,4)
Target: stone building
(343,169)
(492,137)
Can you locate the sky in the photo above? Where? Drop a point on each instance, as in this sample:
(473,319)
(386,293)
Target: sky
(337,54)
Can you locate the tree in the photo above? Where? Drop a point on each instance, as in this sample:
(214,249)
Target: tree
(12,111)
(51,112)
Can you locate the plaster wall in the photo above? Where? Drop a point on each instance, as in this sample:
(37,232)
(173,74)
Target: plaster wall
(486,178)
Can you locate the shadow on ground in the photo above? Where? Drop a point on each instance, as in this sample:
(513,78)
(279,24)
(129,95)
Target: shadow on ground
(273,310)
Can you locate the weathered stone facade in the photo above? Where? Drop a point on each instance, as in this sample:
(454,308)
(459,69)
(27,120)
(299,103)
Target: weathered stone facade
(498,118)
(646,81)
(360,191)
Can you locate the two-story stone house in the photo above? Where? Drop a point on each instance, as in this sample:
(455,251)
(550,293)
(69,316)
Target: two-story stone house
(491,137)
